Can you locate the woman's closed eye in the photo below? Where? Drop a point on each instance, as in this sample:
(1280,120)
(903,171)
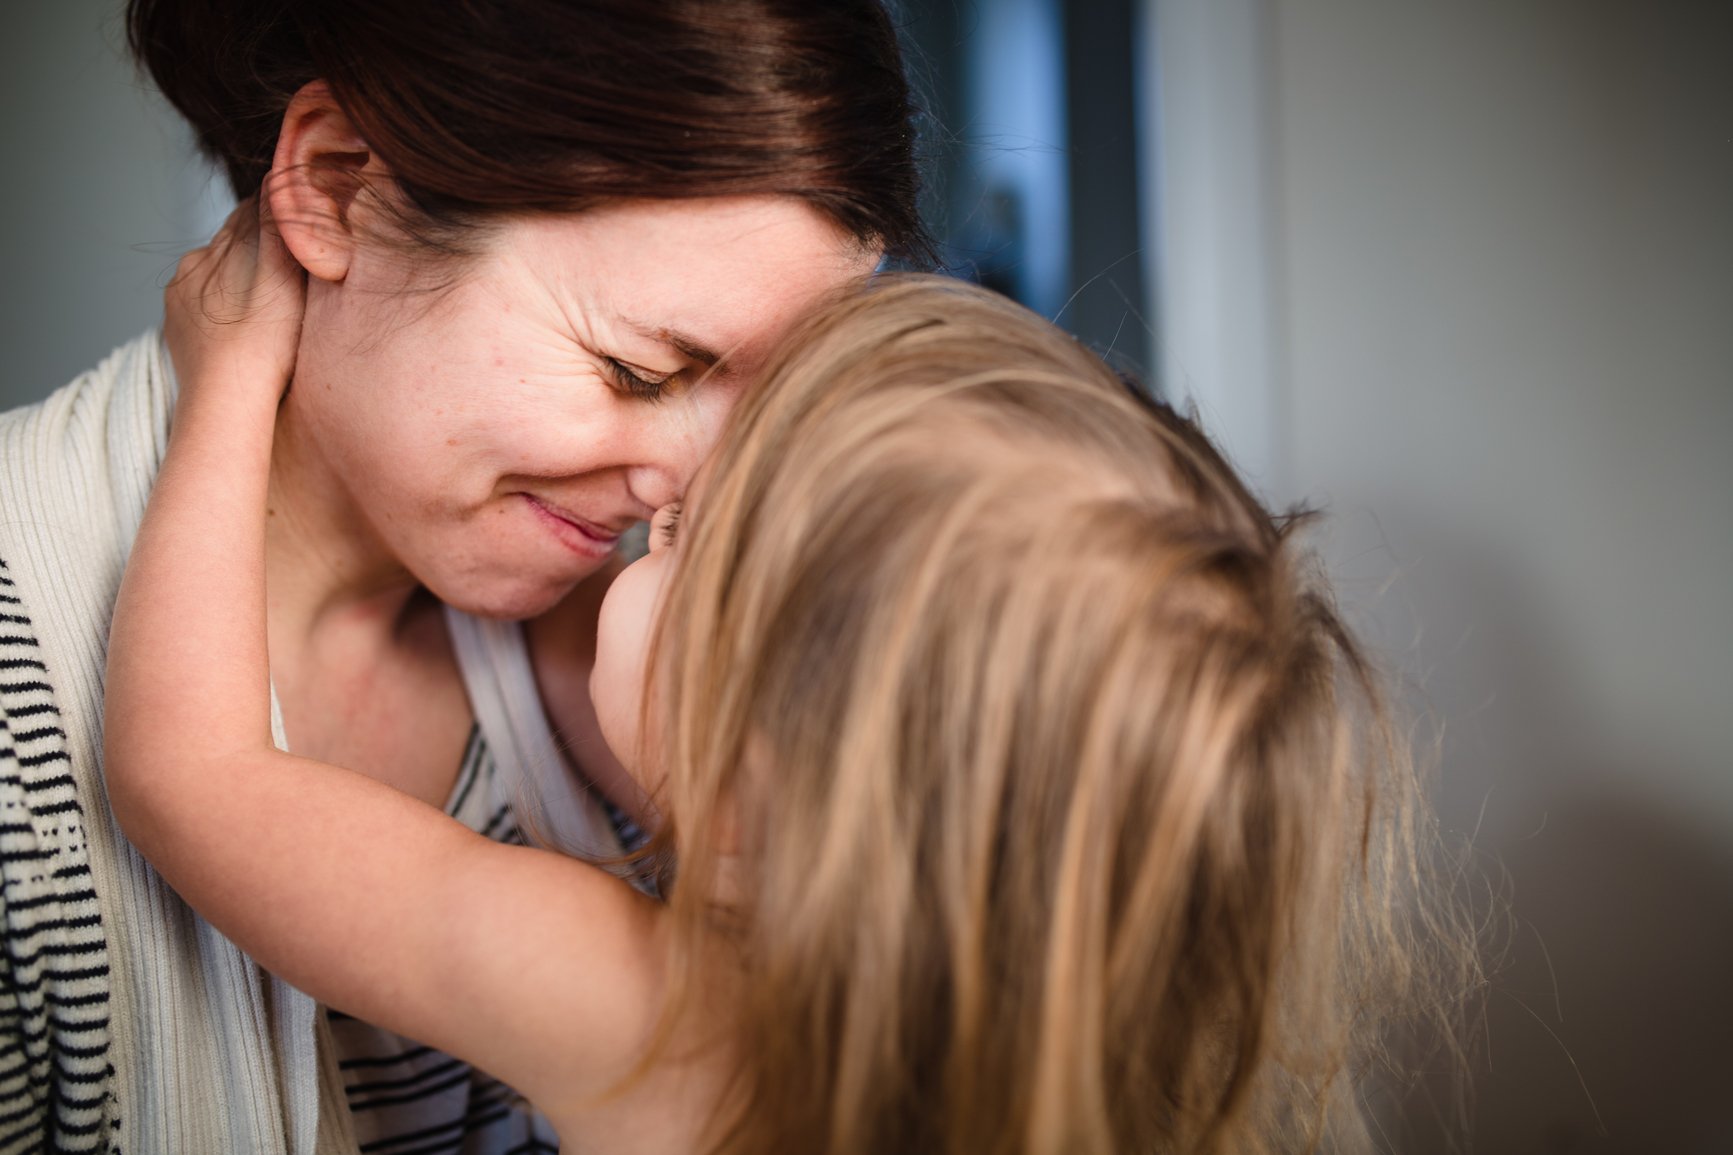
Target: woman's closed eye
(639,382)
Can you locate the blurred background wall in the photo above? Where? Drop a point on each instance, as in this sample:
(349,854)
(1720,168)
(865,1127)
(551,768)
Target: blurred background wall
(1459,270)
(100,194)
(1463,272)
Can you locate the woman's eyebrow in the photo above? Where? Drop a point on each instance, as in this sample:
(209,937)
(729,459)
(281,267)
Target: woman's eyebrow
(688,345)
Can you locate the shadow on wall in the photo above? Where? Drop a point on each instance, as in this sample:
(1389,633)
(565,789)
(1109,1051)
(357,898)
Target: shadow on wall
(1605,1029)
(1624,1049)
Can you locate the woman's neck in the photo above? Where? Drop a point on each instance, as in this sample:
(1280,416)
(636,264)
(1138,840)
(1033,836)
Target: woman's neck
(361,663)
(325,566)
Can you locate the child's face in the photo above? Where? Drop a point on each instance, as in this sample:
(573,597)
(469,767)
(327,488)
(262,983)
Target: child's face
(622,643)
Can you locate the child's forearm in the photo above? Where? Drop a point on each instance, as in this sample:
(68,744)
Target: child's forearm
(188,676)
(299,862)
(188,684)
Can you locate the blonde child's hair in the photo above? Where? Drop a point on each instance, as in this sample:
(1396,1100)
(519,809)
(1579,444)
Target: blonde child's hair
(1060,810)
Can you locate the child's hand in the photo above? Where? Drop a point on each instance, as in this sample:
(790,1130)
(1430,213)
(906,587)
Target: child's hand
(232,314)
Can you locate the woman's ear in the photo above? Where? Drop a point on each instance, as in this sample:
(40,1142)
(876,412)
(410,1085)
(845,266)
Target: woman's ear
(320,166)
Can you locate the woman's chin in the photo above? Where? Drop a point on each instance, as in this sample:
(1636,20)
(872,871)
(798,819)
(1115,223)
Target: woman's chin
(514,575)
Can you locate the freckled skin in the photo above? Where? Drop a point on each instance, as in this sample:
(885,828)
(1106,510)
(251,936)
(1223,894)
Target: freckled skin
(438,422)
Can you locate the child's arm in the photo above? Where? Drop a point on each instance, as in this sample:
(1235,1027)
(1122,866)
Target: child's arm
(535,967)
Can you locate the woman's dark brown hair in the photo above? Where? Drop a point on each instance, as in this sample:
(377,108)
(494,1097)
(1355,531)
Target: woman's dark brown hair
(485,108)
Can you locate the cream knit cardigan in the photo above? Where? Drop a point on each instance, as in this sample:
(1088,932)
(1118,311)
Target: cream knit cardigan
(127,1023)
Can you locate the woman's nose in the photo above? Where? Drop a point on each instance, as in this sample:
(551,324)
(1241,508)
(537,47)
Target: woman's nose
(672,450)
(657,486)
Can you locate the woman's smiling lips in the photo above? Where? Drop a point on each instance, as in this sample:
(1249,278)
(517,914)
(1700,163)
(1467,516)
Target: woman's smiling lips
(579,535)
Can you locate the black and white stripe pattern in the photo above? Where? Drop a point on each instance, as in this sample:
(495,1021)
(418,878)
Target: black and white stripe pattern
(414,1100)
(56,1073)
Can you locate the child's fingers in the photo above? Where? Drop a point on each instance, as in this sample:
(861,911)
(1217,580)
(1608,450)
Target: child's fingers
(273,253)
(244,273)
(277,268)
(208,278)
(239,300)
(239,226)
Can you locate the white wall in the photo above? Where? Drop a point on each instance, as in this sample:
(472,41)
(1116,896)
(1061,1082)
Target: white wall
(1211,253)
(1500,263)
(101,193)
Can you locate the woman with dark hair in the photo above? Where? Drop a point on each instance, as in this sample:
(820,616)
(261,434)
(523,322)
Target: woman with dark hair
(545,244)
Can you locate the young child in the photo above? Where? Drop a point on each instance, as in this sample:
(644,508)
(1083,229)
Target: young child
(1020,789)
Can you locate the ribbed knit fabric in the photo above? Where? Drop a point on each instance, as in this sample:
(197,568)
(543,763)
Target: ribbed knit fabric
(127,1023)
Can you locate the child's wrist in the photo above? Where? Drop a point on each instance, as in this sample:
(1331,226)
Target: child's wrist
(236,373)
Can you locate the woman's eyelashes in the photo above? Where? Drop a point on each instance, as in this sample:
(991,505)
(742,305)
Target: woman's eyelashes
(638,382)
